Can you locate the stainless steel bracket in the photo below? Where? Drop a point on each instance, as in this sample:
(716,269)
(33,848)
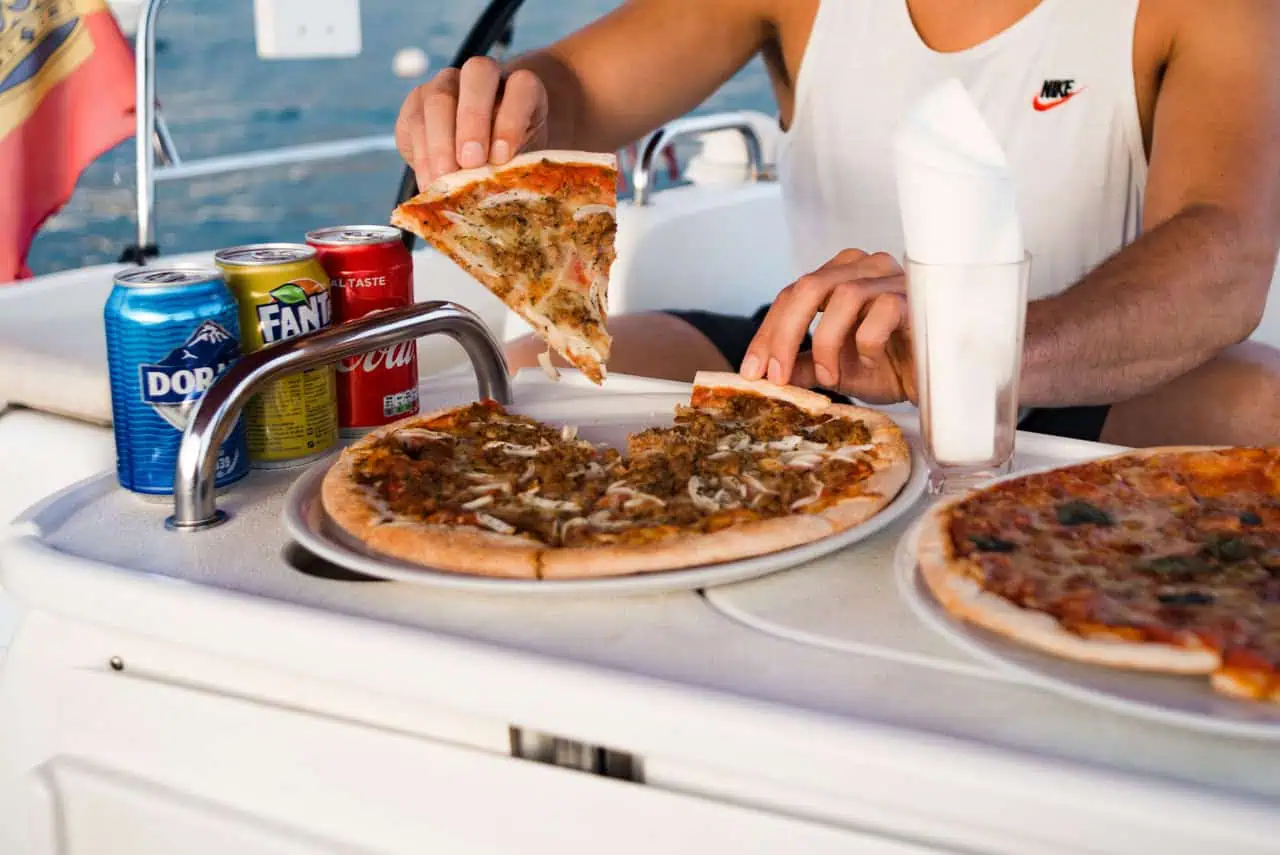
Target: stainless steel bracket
(194,504)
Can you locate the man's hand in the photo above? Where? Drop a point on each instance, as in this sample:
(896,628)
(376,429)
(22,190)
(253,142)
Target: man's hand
(862,345)
(464,118)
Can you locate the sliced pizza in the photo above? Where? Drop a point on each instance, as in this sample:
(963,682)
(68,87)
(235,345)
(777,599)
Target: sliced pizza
(539,233)
(747,469)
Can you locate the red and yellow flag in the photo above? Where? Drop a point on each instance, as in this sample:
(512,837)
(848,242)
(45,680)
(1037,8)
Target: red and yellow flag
(66,96)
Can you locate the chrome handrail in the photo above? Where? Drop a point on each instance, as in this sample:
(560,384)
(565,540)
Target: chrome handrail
(194,504)
(692,126)
(145,126)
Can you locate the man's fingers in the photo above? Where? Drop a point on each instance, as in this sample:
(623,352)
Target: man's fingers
(773,350)
(845,256)
(521,114)
(885,315)
(803,373)
(838,319)
(419,160)
(439,117)
(477,94)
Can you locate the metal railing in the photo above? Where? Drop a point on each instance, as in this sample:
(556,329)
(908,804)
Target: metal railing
(693,126)
(194,505)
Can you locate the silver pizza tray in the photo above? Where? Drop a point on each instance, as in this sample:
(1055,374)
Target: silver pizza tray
(598,419)
(1186,701)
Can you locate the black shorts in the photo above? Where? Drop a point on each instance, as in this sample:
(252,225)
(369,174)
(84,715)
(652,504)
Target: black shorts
(732,334)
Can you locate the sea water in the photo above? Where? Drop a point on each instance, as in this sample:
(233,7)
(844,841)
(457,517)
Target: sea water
(219,98)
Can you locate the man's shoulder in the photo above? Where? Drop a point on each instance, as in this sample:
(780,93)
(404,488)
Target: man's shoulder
(1234,21)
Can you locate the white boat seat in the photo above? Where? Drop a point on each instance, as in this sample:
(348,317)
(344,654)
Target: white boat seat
(722,249)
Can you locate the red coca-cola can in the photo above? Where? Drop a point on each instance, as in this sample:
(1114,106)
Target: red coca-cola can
(370,270)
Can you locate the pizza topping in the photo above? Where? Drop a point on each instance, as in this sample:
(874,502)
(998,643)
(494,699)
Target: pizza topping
(550,504)
(507,196)
(490,487)
(544,360)
(756,484)
(810,499)
(585,211)
(987,543)
(1182,548)
(514,449)
(1185,598)
(1177,565)
(1227,547)
(491,522)
(1083,513)
(747,458)
(701,502)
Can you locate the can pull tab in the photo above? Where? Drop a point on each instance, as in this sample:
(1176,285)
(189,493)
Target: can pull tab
(194,503)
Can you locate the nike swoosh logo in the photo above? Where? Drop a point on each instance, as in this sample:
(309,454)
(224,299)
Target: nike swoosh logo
(1041,106)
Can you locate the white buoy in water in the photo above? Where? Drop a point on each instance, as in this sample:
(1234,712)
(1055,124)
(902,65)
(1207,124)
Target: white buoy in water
(410,62)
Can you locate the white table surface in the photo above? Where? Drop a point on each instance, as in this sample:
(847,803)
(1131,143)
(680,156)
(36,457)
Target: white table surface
(103,556)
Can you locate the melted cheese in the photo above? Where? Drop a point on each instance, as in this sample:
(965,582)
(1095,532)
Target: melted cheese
(494,524)
(635,497)
(549,504)
(514,195)
(585,211)
(420,433)
(810,499)
(544,359)
(512,448)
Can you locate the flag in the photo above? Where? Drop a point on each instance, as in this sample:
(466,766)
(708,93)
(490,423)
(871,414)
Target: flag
(66,96)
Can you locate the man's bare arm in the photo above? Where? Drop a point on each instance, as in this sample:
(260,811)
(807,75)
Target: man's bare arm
(1197,281)
(600,88)
(645,63)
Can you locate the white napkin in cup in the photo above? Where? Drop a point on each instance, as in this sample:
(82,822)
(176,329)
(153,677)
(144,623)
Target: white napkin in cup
(959,208)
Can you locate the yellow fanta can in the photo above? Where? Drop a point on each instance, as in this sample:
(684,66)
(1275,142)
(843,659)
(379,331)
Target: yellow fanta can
(283,293)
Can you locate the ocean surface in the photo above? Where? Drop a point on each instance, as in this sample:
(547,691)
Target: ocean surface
(220,98)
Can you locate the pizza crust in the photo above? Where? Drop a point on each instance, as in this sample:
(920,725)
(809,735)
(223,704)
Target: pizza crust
(458,549)
(878,491)
(810,402)
(1249,686)
(455,181)
(948,578)
(682,551)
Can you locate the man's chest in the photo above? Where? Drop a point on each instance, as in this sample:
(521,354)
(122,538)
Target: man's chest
(952,27)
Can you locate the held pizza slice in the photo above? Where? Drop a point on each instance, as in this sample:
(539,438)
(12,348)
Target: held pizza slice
(539,233)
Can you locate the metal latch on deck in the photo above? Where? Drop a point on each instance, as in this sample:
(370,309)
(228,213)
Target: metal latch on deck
(579,756)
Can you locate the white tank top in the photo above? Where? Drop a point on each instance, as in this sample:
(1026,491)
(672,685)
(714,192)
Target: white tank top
(1057,89)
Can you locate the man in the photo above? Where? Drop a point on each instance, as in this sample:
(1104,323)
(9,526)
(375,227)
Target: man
(1144,137)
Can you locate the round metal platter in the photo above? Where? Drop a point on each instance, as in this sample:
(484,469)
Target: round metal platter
(598,419)
(1183,701)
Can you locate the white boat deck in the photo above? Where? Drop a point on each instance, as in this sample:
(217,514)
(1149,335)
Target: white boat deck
(872,722)
(810,710)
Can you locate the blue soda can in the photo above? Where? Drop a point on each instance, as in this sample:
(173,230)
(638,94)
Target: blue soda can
(170,333)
